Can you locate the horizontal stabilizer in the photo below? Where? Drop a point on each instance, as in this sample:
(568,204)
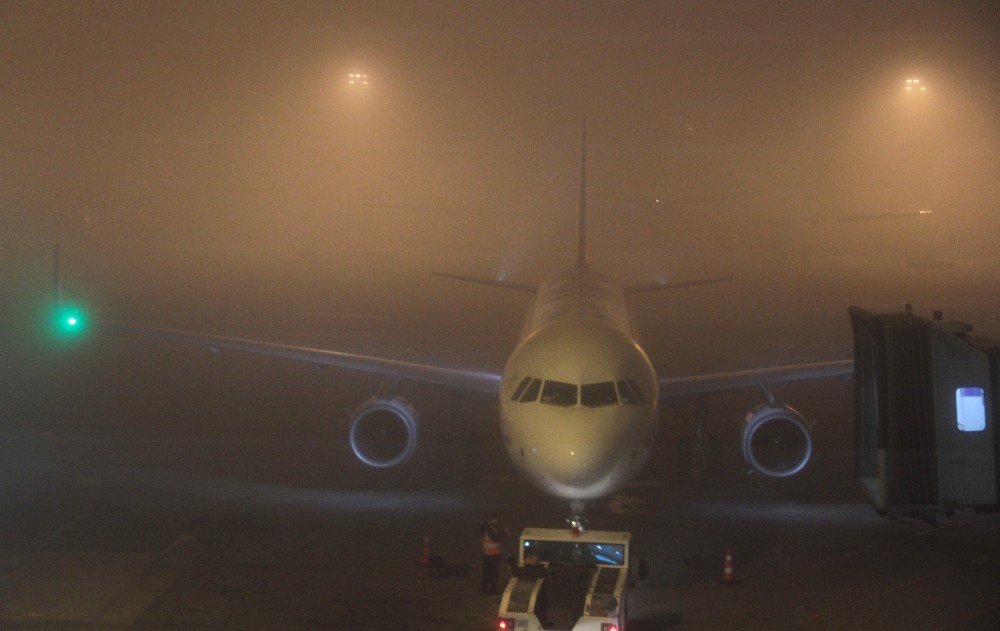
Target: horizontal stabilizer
(489,281)
(642,289)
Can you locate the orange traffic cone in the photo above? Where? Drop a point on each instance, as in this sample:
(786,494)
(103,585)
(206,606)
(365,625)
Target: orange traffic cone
(727,570)
(425,554)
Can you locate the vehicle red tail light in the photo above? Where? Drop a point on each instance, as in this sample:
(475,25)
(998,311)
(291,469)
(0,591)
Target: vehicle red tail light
(505,624)
(609,626)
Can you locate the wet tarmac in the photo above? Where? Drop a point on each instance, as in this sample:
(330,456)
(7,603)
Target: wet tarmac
(245,510)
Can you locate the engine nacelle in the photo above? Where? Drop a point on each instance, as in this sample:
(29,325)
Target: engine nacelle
(384,431)
(776,440)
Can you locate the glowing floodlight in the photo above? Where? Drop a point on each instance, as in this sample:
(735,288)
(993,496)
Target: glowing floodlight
(914,85)
(359,79)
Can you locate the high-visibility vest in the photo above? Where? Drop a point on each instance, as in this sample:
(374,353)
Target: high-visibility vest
(491,548)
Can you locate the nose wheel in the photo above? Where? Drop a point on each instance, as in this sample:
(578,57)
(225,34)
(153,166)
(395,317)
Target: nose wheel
(576,521)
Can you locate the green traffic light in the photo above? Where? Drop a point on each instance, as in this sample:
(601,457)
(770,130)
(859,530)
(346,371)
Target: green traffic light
(69,321)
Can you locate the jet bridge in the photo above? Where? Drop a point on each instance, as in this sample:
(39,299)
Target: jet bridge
(925,409)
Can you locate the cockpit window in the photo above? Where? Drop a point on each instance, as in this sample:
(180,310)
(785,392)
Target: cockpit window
(626,393)
(639,394)
(531,392)
(593,395)
(559,393)
(630,392)
(520,389)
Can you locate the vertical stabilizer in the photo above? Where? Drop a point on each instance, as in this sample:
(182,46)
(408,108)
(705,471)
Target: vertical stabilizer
(581,243)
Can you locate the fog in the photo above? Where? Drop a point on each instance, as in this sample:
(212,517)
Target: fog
(208,166)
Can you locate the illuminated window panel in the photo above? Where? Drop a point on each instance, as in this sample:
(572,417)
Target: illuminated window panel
(970,409)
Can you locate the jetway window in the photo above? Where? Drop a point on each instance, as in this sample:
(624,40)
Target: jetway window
(970,409)
(559,393)
(531,392)
(594,395)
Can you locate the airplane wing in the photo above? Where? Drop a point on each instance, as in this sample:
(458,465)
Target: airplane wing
(719,382)
(484,382)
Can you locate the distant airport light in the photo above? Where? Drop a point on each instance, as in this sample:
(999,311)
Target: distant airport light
(358,79)
(914,85)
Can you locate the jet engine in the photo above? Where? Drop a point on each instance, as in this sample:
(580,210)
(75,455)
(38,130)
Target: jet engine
(384,431)
(776,440)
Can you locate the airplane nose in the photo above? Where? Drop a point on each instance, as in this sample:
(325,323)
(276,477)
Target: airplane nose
(578,464)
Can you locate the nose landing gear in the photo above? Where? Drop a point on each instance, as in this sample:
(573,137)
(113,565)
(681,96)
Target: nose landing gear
(576,521)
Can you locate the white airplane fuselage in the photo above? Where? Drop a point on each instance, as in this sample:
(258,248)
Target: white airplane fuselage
(578,395)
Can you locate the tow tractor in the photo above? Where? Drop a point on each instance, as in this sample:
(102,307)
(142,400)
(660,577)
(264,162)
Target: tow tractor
(568,580)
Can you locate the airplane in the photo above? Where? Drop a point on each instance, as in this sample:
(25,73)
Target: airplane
(579,397)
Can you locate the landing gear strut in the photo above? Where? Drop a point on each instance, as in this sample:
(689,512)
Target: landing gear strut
(576,521)
(696,416)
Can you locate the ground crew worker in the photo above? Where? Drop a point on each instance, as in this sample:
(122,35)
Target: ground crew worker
(492,535)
